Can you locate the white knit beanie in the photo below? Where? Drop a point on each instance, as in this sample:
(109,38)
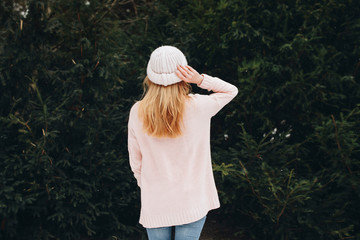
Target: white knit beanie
(162,65)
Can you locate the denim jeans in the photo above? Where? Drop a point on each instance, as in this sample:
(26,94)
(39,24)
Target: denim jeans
(190,231)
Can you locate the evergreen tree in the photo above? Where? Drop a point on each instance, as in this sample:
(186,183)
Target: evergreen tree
(64,167)
(285,151)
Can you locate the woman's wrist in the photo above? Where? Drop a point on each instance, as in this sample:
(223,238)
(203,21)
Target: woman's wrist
(201,78)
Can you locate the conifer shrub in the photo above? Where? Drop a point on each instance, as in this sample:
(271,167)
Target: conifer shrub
(285,150)
(64,170)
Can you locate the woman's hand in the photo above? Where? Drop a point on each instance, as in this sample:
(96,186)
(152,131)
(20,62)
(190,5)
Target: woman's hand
(189,75)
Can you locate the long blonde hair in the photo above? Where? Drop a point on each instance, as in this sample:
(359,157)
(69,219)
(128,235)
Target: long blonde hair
(162,108)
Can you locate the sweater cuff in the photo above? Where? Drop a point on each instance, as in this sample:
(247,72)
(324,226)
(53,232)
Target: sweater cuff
(206,82)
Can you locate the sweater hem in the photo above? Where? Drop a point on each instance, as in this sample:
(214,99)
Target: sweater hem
(167,220)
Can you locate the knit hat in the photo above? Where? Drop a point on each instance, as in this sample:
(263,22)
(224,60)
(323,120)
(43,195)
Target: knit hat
(162,65)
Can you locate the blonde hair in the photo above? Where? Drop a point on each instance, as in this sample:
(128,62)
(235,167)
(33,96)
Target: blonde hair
(162,108)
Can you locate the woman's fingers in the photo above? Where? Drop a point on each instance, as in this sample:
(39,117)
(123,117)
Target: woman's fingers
(184,71)
(180,75)
(197,78)
(187,74)
(191,69)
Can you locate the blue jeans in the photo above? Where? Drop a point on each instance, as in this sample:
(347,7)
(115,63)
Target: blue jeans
(190,231)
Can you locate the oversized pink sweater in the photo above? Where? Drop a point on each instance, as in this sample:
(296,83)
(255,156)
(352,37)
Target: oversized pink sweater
(175,174)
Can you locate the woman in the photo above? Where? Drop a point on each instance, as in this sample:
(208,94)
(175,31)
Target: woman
(169,145)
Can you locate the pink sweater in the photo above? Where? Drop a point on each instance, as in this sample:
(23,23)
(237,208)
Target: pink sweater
(175,174)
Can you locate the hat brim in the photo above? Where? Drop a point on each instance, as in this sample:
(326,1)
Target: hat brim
(164,79)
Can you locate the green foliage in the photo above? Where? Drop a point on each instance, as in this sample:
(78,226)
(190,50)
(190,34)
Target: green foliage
(296,65)
(64,168)
(286,150)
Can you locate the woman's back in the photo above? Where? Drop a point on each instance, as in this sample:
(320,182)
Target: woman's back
(175,174)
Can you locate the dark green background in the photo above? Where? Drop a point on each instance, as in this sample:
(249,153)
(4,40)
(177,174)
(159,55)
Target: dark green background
(285,150)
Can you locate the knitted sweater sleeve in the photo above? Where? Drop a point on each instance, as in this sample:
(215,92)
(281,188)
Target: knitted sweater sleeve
(224,92)
(135,156)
